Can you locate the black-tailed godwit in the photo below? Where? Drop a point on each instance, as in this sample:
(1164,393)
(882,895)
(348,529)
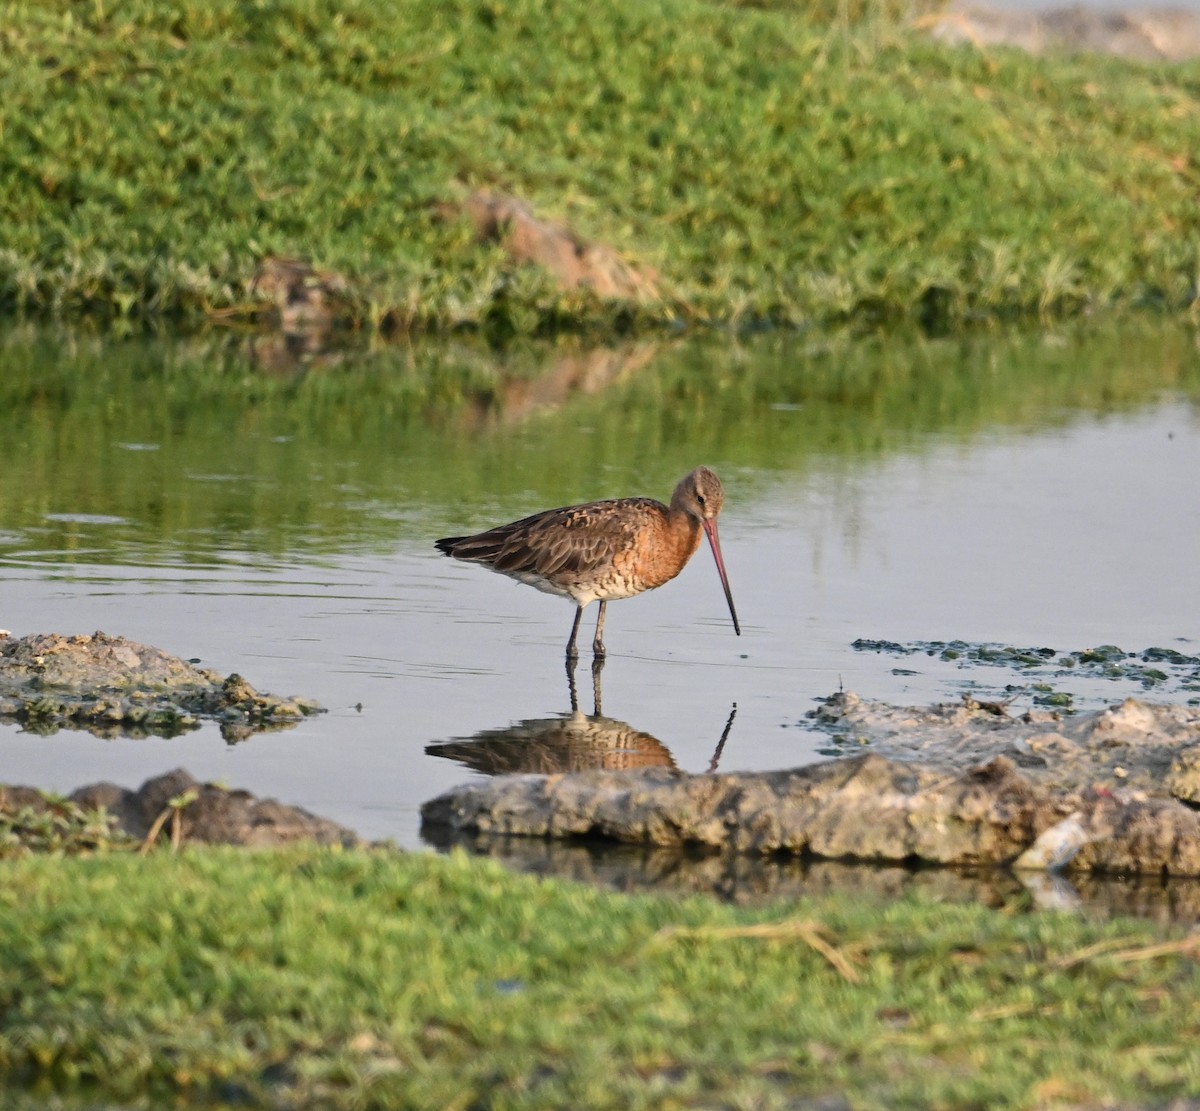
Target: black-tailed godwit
(604,550)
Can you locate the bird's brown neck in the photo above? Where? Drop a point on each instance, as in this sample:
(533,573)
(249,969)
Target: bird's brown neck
(663,550)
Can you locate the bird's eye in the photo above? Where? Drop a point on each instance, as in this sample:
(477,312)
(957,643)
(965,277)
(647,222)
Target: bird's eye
(700,498)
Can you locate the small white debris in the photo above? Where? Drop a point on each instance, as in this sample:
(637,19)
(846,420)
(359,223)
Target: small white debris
(1056,846)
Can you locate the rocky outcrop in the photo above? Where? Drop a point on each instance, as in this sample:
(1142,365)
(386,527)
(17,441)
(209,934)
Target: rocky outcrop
(1131,745)
(985,816)
(951,785)
(177,808)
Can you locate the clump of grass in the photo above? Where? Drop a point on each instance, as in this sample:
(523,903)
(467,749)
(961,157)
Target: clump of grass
(774,162)
(373,979)
(57,826)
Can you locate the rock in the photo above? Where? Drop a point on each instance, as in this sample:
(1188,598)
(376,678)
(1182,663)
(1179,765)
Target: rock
(1055,847)
(207,813)
(1131,745)
(987,815)
(1183,779)
(110,685)
(574,262)
(947,785)
(300,298)
(1129,723)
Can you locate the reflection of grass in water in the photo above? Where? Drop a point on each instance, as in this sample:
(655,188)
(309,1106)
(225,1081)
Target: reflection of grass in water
(356,451)
(381,980)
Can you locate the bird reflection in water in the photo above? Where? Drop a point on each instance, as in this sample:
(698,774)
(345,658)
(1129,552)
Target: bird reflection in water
(571,742)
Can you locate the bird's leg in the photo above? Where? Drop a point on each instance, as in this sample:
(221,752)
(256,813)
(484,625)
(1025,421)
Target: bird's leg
(572,651)
(598,642)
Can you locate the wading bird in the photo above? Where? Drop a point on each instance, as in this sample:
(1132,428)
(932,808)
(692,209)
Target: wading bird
(604,550)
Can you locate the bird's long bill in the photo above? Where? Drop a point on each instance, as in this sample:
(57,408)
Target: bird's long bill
(710,530)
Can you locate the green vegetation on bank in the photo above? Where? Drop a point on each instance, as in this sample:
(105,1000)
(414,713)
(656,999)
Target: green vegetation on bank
(773,162)
(376,980)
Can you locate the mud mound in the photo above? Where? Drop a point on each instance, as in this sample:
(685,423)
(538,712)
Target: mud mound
(175,807)
(958,785)
(109,685)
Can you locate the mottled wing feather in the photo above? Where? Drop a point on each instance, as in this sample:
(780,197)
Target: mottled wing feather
(574,540)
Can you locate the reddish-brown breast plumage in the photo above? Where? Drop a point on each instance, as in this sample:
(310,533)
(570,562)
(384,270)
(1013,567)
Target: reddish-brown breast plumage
(603,550)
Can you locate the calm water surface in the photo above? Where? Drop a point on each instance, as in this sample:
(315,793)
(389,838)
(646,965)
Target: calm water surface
(1031,490)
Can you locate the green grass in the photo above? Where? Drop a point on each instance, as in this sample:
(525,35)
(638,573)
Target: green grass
(381,980)
(773,162)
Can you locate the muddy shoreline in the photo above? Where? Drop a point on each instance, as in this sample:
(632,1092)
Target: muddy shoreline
(966,784)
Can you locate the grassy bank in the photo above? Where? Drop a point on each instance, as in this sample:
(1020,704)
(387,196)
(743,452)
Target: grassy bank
(378,980)
(772,162)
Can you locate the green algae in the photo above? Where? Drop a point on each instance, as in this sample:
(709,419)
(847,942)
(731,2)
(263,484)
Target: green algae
(1164,671)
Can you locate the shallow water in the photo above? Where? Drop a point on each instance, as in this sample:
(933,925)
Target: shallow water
(1036,490)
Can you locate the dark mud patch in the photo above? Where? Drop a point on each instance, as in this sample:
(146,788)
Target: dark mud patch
(1063,680)
(173,808)
(111,686)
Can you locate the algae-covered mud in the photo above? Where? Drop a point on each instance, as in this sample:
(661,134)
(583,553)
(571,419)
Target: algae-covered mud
(111,686)
(1052,678)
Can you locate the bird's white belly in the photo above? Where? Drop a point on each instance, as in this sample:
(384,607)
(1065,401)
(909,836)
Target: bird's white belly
(611,590)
